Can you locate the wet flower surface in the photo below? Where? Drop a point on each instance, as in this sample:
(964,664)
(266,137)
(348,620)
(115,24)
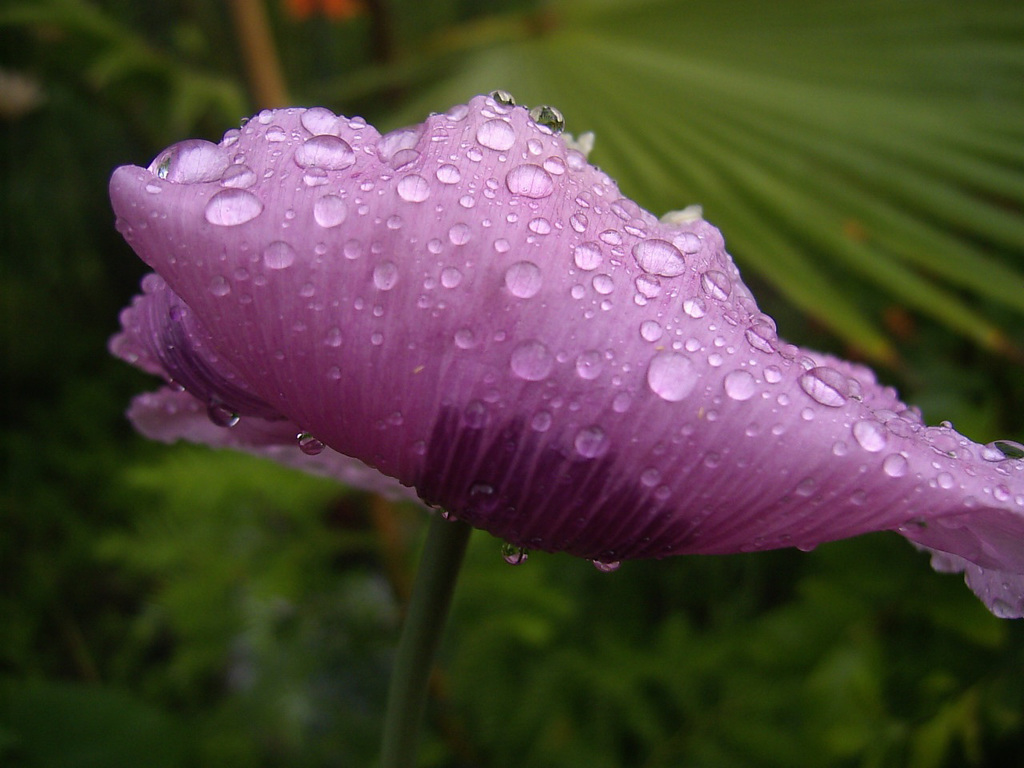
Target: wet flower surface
(469,312)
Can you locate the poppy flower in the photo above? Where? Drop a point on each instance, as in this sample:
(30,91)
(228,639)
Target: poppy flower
(468,312)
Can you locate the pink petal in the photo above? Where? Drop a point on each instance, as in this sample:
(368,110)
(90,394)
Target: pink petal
(470,308)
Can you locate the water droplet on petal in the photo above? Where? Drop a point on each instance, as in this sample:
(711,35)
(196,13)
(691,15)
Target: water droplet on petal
(589,364)
(496,134)
(826,386)
(716,284)
(523,279)
(219,286)
(329,211)
(591,442)
(870,435)
(579,222)
(695,308)
(450,277)
(606,566)
(530,181)
(221,415)
(514,555)
(740,385)
(240,176)
(504,98)
(308,444)
(761,337)
(278,255)
(329,152)
(532,361)
(385,275)
(459,234)
(414,188)
(539,226)
(320,121)
(587,256)
(659,257)
(895,465)
(650,330)
(1007,448)
(772,374)
(671,376)
(191,162)
(231,207)
(548,117)
(448,174)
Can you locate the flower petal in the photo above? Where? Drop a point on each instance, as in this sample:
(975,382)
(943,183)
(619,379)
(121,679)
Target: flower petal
(469,307)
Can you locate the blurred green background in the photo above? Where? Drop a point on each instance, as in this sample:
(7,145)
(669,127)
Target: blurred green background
(173,606)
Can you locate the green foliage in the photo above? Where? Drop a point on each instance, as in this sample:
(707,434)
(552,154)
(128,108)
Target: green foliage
(174,606)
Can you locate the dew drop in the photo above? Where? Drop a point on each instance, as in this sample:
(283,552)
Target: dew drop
(772,374)
(549,118)
(539,226)
(278,255)
(587,256)
(659,257)
(496,134)
(191,162)
(603,284)
(308,444)
(870,435)
(530,181)
(695,308)
(531,361)
(465,338)
(459,234)
(231,207)
(329,211)
(647,286)
(328,152)
(219,286)
(320,121)
(740,385)
(414,188)
(591,442)
(513,554)
(579,222)
(671,376)
(715,284)
(448,174)
(221,415)
(761,337)
(240,176)
(385,275)
(650,330)
(589,364)
(523,279)
(450,277)
(826,386)
(606,566)
(895,465)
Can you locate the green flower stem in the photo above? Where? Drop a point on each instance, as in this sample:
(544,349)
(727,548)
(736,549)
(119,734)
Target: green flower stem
(424,622)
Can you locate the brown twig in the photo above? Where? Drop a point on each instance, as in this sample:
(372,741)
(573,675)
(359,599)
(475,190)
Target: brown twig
(261,60)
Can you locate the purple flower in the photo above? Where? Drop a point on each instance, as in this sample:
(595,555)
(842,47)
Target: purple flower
(471,310)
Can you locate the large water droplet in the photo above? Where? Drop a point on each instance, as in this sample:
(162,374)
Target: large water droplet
(740,385)
(231,207)
(761,337)
(826,386)
(308,444)
(448,174)
(329,152)
(523,279)
(459,234)
(385,275)
(591,442)
(870,435)
(191,162)
(278,255)
(397,148)
(530,180)
(716,284)
(659,257)
(450,277)
(587,256)
(532,361)
(329,211)
(548,117)
(651,330)
(513,554)
(414,188)
(671,376)
(589,364)
(895,465)
(221,415)
(320,121)
(496,134)
(695,307)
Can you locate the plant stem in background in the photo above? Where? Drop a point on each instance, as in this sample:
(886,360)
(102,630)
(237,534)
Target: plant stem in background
(261,60)
(421,633)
